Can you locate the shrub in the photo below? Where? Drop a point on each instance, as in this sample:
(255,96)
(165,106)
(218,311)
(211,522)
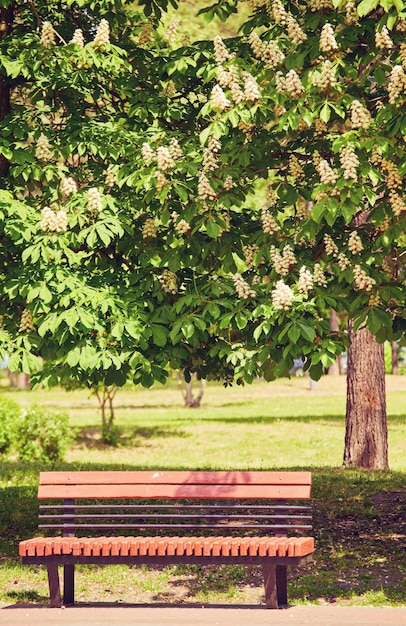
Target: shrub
(10,412)
(42,435)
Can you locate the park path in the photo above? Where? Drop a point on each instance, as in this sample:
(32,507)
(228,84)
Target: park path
(112,615)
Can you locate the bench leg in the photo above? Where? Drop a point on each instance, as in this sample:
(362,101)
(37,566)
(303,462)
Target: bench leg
(53,584)
(271,596)
(276,585)
(68,584)
(282,584)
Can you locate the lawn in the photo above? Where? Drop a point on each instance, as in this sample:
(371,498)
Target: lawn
(358,516)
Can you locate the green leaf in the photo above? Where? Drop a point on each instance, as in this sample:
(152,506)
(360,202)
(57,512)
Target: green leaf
(366,6)
(325,113)
(294,332)
(307,332)
(241,320)
(159,335)
(212,228)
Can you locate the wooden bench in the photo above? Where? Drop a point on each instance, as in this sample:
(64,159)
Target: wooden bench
(167,517)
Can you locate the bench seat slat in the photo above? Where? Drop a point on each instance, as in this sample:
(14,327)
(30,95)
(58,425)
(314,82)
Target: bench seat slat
(110,491)
(167,546)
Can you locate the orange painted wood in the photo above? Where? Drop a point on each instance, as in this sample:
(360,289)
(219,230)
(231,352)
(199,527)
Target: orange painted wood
(218,492)
(168,546)
(175,478)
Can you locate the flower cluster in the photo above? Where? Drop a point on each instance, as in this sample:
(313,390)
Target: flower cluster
(168,281)
(145,35)
(362,282)
(326,78)
(26,322)
(320,5)
(402,52)
(330,246)
(68,186)
(319,276)
(383,40)
(349,162)
(326,173)
(148,229)
(172,31)
(47,38)
(354,243)
(320,127)
(242,288)
(268,51)
(210,154)
(251,89)
(360,116)
(78,38)
(306,280)
(161,180)
(204,190)
(294,84)
(181,225)
(94,201)
(397,203)
(396,83)
(43,150)
(343,262)
(164,158)
(111,176)
(295,169)
(295,33)
(328,41)
(56,222)
(228,183)
(282,296)
(102,37)
(221,54)
(394,179)
(147,153)
(282,263)
(269,224)
(219,99)
(250,253)
(278,13)
(175,149)
(374,300)
(351,14)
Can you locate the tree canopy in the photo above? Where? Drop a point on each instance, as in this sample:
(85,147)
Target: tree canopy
(198,205)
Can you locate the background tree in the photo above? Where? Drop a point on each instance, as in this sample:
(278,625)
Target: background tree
(200,205)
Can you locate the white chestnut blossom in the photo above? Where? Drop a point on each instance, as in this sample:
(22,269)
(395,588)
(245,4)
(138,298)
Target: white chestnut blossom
(242,288)
(47,38)
(94,201)
(78,38)
(327,39)
(102,37)
(282,296)
(218,98)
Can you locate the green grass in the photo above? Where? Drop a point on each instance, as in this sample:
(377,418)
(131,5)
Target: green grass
(358,516)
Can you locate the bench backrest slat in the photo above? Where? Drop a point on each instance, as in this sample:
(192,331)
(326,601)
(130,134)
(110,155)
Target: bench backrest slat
(175,484)
(284,492)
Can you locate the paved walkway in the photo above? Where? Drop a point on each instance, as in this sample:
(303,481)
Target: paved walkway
(158,615)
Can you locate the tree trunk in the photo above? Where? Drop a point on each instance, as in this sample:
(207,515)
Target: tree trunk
(366,437)
(6,22)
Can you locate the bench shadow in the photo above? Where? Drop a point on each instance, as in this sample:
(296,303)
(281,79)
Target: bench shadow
(90,436)
(144,605)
